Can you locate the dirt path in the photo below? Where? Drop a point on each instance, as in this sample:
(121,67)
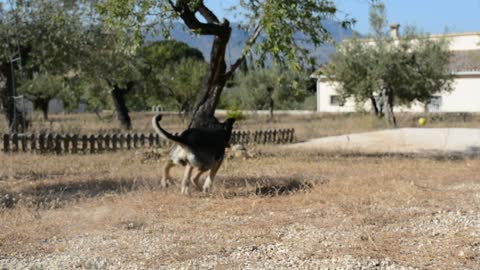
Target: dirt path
(405,140)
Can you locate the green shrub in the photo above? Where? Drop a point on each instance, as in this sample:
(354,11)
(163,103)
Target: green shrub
(236,114)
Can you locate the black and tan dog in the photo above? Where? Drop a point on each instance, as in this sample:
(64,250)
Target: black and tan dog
(200,148)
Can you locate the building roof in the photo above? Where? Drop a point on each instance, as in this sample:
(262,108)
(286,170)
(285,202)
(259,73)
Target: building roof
(465,61)
(460,62)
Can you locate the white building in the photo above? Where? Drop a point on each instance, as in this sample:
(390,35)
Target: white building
(465,65)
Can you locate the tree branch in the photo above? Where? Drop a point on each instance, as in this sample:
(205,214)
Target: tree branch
(212,27)
(208,14)
(246,49)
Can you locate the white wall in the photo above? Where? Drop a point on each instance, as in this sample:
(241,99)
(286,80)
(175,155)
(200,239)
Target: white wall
(465,97)
(462,41)
(324,91)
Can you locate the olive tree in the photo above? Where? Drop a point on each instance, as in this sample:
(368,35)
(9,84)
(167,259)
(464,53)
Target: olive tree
(273,26)
(398,71)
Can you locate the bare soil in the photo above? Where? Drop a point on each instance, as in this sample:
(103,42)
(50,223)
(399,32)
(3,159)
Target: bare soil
(279,209)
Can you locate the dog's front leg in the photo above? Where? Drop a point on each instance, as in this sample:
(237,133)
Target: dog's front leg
(186,179)
(213,171)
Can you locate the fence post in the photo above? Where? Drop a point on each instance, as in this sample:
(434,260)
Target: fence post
(6,142)
(58,144)
(100,143)
(23,142)
(91,140)
(84,143)
(15,142)
(121,141)
(74,143)
(107,142)
(150,140)
(49,142)
(128,140)
(33,143)
(142,140)
(66,143)
(114,142)
(135,140)
(41,142)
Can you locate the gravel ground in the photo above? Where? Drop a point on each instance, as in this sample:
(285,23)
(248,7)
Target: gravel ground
(409,214)
(291,251)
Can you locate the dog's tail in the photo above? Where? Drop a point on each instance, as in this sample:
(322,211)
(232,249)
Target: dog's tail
(165,134)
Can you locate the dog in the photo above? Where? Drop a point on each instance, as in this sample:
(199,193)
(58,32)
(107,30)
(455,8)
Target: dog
(200,148)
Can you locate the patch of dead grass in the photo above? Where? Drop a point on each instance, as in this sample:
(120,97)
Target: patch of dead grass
(413,211)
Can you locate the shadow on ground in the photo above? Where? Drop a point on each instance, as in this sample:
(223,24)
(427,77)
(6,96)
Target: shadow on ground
(266,185)
(54,195)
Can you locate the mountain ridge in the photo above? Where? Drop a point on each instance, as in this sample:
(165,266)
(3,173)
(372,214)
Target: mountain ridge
(238,38)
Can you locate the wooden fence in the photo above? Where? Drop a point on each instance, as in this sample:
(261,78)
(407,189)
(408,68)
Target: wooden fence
(90,144)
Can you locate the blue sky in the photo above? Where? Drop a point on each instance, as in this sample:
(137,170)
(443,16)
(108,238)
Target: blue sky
(431,16)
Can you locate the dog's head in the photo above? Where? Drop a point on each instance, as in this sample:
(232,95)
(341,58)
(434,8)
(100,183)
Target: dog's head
(228,126)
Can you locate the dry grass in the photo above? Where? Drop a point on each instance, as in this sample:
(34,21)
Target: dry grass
(417,211)
(420,212)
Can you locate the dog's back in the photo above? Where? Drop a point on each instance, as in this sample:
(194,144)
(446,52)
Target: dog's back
(204,144)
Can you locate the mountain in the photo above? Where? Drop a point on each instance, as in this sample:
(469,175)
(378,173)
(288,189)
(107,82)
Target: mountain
(239,36)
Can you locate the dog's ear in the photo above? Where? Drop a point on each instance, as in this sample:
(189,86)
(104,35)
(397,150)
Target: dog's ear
(229,122)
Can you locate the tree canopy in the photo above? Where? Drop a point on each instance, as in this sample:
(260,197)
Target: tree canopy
(274,26)
(392,71)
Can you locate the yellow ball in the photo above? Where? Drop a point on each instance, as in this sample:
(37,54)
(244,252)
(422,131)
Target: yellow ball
(422,121)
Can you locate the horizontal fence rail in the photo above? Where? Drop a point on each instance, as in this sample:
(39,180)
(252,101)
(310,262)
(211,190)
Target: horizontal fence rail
(90,144)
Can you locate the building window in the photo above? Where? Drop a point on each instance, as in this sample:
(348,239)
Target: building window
(434,104)
(336,100)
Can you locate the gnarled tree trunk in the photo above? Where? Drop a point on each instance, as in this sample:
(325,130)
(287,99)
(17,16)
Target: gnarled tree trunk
(207,100)
(388,108)
(375,108)
(118,96)
(15,117)
(42,104)
(204,108)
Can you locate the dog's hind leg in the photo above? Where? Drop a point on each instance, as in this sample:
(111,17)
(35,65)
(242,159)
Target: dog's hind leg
(186,179)
(196,177)
(166,173)
(213,171)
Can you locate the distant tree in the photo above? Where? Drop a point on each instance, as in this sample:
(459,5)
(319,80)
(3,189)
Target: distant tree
(269,88)
(41,89)
(278,21)
(413,68)
(182,81)
(173,72)
(112,66)
(40,37)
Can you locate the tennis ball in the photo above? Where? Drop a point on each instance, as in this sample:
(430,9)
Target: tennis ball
(422,121)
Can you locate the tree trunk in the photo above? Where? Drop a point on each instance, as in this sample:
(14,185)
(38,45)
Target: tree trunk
(207,100)
(15,118)
(118,95)
(42,104)
(271,102)
(375,109)
(204,108)
(388,108)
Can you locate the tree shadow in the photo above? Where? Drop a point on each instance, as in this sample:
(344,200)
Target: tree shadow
(266,186)
(55,195)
